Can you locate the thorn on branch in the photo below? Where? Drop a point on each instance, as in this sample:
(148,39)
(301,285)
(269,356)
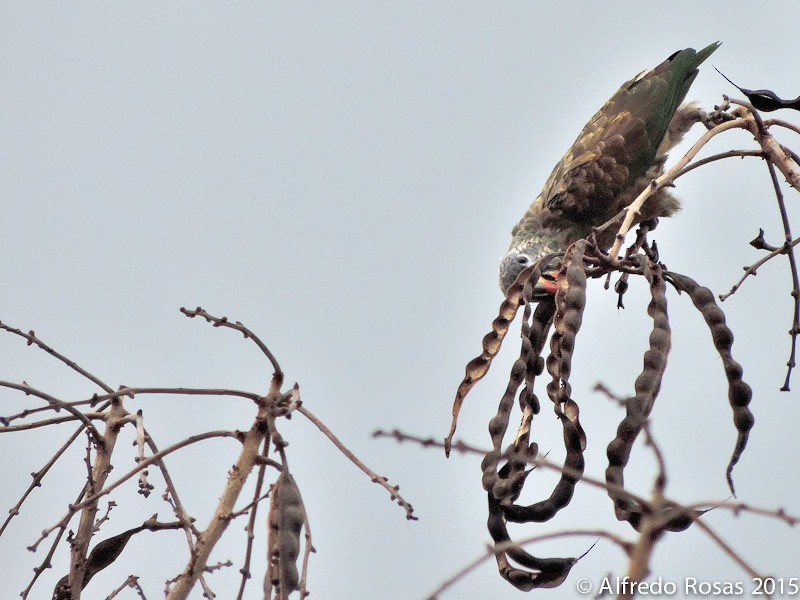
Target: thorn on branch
(759,243)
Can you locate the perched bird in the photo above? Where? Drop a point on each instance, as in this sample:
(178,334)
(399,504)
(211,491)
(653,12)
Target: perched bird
(620,150)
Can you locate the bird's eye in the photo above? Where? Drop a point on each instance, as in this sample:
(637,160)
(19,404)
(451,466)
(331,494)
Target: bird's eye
(523,260)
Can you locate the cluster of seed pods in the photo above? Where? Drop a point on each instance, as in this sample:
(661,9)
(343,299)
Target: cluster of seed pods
(505,470)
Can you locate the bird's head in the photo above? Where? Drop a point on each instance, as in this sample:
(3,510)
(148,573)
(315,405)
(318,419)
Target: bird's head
(533,239)
(521,257)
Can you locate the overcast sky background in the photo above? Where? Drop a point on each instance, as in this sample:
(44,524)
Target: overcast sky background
(343,178)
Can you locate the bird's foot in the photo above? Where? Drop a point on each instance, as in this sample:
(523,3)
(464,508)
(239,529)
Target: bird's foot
(719,115)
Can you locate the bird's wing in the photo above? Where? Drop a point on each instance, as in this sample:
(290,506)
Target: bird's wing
(620,142)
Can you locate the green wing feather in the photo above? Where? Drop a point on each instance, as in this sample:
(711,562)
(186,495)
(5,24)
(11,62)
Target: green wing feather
(615,148)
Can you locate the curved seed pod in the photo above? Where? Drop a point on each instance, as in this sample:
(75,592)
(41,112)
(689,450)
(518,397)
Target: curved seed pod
(527,395)
(537,334)
(569,302)
(637,410)
(517,469)
(547,572)
(286,518)
(530,351)
(518,294)
(498,425)
(561,495)
(527,398)
(739,393)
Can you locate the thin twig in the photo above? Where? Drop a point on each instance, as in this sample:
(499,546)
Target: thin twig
(782,123)
(132,581)
(98,416)
(223,322)
(33,340)
(536,461)
(38,476)
(750,570)
(307,550)
(382,481)
(778,514)
(787,231)
(171,494)
(774,151)
(250,528)
(720,156)
(752,269)
(46,564)
(56,404)
(131,392)
(74,508)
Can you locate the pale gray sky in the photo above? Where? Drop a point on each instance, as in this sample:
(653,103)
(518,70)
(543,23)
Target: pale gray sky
(343,177)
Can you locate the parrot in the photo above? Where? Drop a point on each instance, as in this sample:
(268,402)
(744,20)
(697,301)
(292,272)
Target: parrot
(618,153)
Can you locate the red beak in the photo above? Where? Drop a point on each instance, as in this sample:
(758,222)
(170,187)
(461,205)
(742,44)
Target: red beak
(546,285)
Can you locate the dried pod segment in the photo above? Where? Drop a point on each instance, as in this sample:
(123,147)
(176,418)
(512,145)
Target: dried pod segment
(529,404)
(286,518)
(527,396)
(537,335)
(544,573)
(506,484)
(561,495)
(739,392)
(638,407)
(570,302)
(518,294)
(501,487)
(522,450)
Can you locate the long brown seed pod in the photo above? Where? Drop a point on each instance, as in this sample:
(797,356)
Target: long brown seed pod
(638,407)
(517,467)
(501,487)
(286,518)
(739,392)
(570,302)
(518,294)
(546,572)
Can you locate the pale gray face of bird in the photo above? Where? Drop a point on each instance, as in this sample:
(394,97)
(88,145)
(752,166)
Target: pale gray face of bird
(513,263)
(523,256)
